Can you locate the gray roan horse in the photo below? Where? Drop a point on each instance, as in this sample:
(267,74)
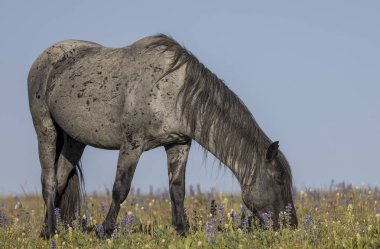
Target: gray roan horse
(149,94)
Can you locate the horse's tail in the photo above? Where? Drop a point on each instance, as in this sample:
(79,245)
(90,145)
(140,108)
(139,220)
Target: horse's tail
(70,200)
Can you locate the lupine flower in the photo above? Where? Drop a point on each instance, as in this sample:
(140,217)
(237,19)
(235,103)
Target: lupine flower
(126,221)
(307,220)
(102,207)
(57,213)
(288,208)
(244,218)
(100,230)
(266,218)
(210,232)
(212,239)
(84,223)
(212,207)
(53,244)
(134,202)
(221,208)
(3,218)
(115,234)
(233,215)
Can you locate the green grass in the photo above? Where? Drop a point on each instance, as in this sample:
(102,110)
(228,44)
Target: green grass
(342,218)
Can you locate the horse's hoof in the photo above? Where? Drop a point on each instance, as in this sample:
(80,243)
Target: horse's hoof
(102,233)
(46,234)
(181,232)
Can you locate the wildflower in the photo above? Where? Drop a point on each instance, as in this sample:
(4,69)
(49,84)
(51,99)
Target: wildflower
(212,207)
(57,213)
(134,202)
(127,220)
(288,208)
(115,234)
(3,219)
(212,239)
(307,220)
(102,207)
(266,218)
(84,223)
(100,230)
(244,218)
(233,215)
(109,242)
(53,244)
(210,228)
(221,208)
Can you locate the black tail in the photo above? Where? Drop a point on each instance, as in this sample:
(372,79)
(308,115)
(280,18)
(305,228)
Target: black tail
(69,202)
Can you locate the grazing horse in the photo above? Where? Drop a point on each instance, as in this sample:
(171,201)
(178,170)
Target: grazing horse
(148,94)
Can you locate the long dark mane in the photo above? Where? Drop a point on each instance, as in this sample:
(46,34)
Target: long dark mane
(207,102)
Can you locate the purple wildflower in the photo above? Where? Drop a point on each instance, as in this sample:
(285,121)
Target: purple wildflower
(134,202)
(210,231)
(221,208)
(126,221)
(307,220)
(57,213)
(102,207)
(212,239)
(233,215)
(84,223)
(265,217)
(115,234)
(100,230)
(212,207)
(53,244)
(288,208)
(244,219)
(3,218)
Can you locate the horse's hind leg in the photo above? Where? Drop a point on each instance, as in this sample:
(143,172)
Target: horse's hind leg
(47,138)
(68,184)
(177,157)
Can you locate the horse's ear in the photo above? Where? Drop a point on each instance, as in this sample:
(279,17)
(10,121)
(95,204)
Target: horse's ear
(272,151)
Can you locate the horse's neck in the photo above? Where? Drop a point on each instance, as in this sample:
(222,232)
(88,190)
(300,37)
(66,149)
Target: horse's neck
(233,166)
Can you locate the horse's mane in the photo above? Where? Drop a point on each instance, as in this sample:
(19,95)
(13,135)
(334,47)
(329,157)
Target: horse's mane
(205,99)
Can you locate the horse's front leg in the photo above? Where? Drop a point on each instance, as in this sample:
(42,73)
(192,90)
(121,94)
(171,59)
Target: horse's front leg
(127,162)
(177,157)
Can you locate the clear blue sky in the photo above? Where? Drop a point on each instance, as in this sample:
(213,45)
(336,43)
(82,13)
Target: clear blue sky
(309,71)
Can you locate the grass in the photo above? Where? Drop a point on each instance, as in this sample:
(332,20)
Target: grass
(343,217)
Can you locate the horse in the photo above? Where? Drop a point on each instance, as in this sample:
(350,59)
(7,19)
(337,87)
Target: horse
(151,93)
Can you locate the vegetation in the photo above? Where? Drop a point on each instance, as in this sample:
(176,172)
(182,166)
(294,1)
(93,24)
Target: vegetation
(342,217)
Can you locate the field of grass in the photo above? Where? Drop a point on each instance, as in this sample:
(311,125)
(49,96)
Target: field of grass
(343,217)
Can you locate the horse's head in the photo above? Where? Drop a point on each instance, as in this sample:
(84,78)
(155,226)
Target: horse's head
(269,195)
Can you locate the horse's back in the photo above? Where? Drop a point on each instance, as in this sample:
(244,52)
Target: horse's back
(89,89)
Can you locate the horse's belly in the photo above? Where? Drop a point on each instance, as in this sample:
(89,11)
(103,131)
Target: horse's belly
(89,116)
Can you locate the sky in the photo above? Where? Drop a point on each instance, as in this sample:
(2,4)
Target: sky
(309,71)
